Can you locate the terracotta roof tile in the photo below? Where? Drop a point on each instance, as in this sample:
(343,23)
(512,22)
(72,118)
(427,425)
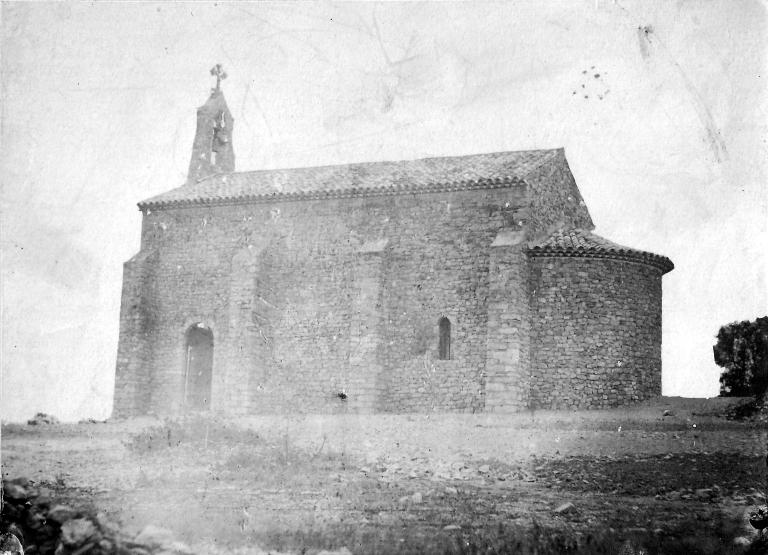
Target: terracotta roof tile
(371,177)
(582,243)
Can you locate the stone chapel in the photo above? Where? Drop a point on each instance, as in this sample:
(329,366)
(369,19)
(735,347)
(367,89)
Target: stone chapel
(463,283)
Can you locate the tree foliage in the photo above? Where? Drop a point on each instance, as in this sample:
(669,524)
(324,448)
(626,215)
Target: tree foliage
(742,350)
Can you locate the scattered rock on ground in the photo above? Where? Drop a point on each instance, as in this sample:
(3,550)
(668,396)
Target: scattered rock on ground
(42,418)
(154,536)
(63,530)
(91,421)
(60,514)
(10,544)
(14,491)
(705,494)
(175,548)
(77,531)
(341,551)
(628,548)
(566,508)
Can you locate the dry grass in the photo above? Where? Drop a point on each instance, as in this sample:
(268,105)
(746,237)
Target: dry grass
(393,483)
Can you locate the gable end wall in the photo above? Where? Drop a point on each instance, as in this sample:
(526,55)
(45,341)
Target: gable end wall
(555,200)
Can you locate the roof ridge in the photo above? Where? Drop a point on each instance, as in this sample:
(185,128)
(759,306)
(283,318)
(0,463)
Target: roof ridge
(550,152)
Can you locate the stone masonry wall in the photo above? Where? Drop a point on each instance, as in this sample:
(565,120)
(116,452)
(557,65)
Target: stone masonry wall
(596,334)
(555,200)
(509,329)
(312,298)
(137,326)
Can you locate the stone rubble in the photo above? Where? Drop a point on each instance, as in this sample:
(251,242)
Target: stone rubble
(565,508)
(41,526)
(42,418)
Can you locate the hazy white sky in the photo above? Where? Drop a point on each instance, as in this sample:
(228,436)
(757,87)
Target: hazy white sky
(661,107)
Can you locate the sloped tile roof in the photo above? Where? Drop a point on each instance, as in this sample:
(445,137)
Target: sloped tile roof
(582,243)
(500,169)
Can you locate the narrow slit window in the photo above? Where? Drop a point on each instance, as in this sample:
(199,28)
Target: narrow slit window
(444,344)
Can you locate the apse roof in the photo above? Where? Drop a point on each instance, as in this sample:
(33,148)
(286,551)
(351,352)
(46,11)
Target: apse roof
(585,244)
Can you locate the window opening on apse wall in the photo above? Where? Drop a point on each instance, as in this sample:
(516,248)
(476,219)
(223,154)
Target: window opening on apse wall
(444,344)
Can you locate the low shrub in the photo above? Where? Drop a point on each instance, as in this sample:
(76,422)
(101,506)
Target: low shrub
(195,430)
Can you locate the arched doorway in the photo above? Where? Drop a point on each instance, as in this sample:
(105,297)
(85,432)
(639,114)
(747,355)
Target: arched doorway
(198,368)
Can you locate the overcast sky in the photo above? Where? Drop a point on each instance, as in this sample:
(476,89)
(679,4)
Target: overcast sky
(661,108)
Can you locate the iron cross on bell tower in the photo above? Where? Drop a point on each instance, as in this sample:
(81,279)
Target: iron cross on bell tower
(219,73)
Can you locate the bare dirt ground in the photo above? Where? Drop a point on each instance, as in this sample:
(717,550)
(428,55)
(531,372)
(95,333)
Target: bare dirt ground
(542,482)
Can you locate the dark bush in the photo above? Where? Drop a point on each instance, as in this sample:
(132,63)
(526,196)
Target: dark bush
(742,350)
